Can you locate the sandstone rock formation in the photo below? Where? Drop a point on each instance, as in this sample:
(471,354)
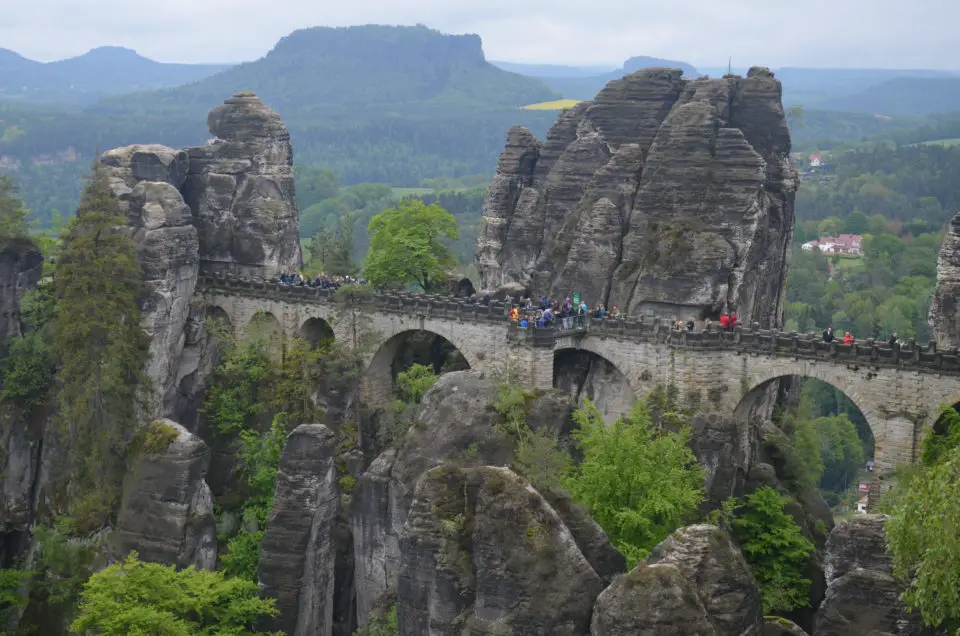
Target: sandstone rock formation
(725,447)
(862,595)
(777,626)
(166,512)
(945,304)
(242,219)
(20,267)
(482,552)
(240,189)
(662,195)
(455,422)
(298,551)
(146,179)
(694,582)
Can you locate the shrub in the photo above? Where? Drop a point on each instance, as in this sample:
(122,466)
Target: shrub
(776,550)
(639,482)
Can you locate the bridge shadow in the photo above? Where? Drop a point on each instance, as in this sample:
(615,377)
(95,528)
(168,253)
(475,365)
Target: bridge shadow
(585,374)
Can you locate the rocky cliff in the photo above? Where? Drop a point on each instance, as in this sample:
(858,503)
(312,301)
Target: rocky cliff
(862,597)
(945,304)
(239,187)
(661,195)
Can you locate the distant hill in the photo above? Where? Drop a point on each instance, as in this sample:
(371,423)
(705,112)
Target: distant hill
(824,87)
(84,79)
(587,87)
(903,96)
(356,71)
(552,70)
(374,103)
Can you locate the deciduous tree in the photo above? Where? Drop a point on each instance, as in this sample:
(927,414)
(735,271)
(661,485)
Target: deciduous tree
(407,245)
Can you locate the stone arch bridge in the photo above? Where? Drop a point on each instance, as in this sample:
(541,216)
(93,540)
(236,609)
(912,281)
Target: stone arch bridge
(898,391)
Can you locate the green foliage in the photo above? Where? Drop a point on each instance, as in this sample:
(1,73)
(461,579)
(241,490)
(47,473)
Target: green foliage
(921,534)
(640,483)
(413,383)
(260,455)
(381,624)
(98,338)
(156,438)
(944,437)
(407,245)
(293,379)
(63,563)
(235,397)
(242,556)
(133,597)
(330,250)
(13,216)
(28,370)
(11,596)
(775,548)
(541,460)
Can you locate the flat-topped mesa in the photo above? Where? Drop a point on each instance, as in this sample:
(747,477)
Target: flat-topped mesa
(240,190)
(663,195)
(945,305)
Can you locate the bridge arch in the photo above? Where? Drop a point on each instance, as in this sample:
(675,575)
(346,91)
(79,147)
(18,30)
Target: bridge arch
(316,331)
(584,372)
(383,366)
(264,324)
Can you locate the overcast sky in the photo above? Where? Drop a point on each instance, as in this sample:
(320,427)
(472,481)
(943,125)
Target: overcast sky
(824,33)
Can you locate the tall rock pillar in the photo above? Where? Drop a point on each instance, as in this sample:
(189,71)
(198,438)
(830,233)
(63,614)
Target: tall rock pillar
(240,190)
(944,310)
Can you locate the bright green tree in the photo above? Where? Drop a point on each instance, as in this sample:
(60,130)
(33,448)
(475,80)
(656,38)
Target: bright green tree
(922,530)
(413,383)
(101,347)
(776,550)
(407,245)
(639,482)
(133,597)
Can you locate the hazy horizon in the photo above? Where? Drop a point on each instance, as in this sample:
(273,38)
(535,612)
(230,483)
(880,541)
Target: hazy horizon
(824,34)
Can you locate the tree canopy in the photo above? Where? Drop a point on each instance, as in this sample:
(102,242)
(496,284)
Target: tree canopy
(98,338)
(133,597)
(640,483)
(922,532)
(407,245)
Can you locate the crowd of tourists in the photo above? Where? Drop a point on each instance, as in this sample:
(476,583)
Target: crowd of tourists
(848,339)
(550,312)
(319,281)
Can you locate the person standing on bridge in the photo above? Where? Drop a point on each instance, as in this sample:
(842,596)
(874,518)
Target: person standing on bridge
(828,335)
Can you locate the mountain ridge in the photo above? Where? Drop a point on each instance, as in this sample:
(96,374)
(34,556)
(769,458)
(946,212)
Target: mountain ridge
(83,79)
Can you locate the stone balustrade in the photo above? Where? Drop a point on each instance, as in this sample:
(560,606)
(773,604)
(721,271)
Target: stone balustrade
(744,340)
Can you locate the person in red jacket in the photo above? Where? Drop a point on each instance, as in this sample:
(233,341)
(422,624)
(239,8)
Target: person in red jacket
(733,319)
(848,338)
(724,321)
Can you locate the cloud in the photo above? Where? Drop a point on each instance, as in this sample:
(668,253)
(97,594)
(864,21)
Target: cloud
(831,33)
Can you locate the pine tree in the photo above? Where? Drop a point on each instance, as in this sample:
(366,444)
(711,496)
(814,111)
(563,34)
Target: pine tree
(101,346)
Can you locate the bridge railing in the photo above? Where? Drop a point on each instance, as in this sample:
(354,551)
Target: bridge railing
(748,339)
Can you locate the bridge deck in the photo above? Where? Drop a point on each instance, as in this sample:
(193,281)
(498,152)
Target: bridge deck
(744,340)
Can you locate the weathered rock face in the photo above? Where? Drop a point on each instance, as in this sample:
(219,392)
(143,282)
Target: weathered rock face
(945,304)
(298,551)
(20,267)
(862,595)
(145,179)
(482,551)
(166,512)
(240,189)
(456,422)
(725,447)
(20,461)
(694,582)
(777,626)
(662,195)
